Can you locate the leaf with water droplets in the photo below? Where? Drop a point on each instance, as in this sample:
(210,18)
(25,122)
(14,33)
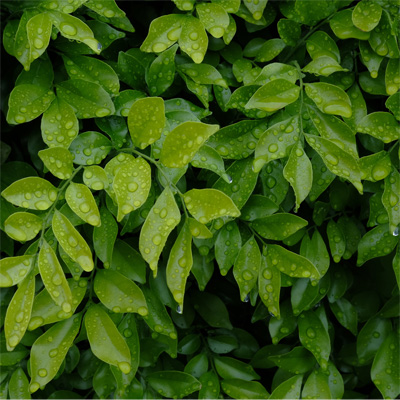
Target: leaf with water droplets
(146,120)
(19,385)
(163,217)
(269,50)
(381,125)
(386,369)
(13,270)
(330,99)
(23,226)
(105,340)
(314,337)
(336,239)
(88,99)
(256,8)
(227,246)
(324,66)
(90,148)
(366,15)
(246,268)
(377,242)
(182,143)
(289,31)
(72,242)
(274,95)
(284,323)
(320,44)
(38,30)
(276,142)
(370,59)
(82,203)
(49,351)
(130,70)
(289,389)
(19,311)
(269,286)
(203,74)
(337,160)
(58,160)
(315,250)
(179,264)
(275,71)
(343,27)
(118,293)
(106,8)
(22,48)
(214,18)
(9,34)
(74,29)
(64,6)
(393,104)
(45,311)
(291,263)
(257,207)
(316,386)
(95,178)
(278,226)
(391,201)
(32,192)
(346,314)
(173,384)
(298,172)
(242,389)
(208,204)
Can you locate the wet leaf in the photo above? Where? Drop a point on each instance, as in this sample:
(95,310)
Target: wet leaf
(14,270)
(269,50)
(173,383)
(269,286)
(209,385)
(95,178)
(231,368)
(274,71)
(392,103)
(241,389)
(336,239)
(58,161)
(391,201)
(375,167)
(289,389)
(203,74)
(297,361)
(214,18)
(227,246)
(289,31)
(320,44)
(346,314)
(19,385)
(343,27)
(23,226)
(381,125)
(370,59)
(282,324)
(38,30)
(316,386)
(366,15)
(257,207)
(392,76)
(90,148)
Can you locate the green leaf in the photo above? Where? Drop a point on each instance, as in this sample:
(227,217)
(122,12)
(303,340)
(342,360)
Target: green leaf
(131,71)
(19,385)
(269,286)
(197,366)
(14,270)
(90,148)
(276,142)
(346,314)
(391,201)
(297,361)
(19,311)
(74,29)
(32,192)
(315,250)
(9,33)
(289,31)
(320,44)
(72,242)
(38,30)
(366,15)
(22,48)
(298,172)
(123,103)
(227,246)
(183,142)
(275,71)
(179,264)
(105,340)
(118,293)
(257,207)
(314,337)
(303,294)
(324,66)
(392,76)
(278,226)
(242,389)
(173,383)
(283,323)
(193,39)
(336,239)
(23,226)
(146,120)
(48,355)
(247,266)
(203,74)
(385,368)
(381,125)
(289,389)
(358,106)
(222,344)
(343,27)
(269,50)
(291,263)
(53,278)
(132,185)
(351,234)
(329,99)
(337,160)
(274,95)
(87,99)
(58,161)
(163,217)
(106,8)
(92,70)
(95,178)
(231,368)
(316,386)
(214,18)
(392,103)
(208,204)
(209,385)
(370,59)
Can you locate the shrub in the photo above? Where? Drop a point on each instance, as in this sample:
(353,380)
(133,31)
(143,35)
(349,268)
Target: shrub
(209,206)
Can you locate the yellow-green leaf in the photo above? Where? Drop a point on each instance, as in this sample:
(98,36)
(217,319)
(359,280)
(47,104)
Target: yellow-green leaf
(58,160)
(23,226)
(13,270)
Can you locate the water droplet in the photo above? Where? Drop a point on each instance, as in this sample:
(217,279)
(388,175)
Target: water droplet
(42,372)
(124,367)
(310,333)
(68,29)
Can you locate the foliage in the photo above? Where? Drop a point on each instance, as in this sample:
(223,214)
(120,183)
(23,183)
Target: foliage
(200,199)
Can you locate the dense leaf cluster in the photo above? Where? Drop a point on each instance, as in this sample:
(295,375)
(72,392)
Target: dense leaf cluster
(200,199)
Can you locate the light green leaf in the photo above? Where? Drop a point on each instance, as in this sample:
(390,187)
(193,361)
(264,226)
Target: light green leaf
(49,351)
(118,293)
(291,263)
(106,342)
(22,48)
(173,384)
(19,385)
(225,253)
(203,74)
(375,167)
(208,204)
(358,106)
(72,242)
(324,66)
(278,226)
(13,270)
(392,76)
(315,250)
(19,311)
(385,368)
(9,33)
(95,178)
(274,95)
(269,286)
(230,31)
(213,17)
(247,266)
(391,201)
(316,386)
(179,264)
(23,226)
(123,103)
(90,148)
(198,230)
(193,39)
(231,368)
(277,71)
(370,59)
(336,239)
(241,389)
(38,30)
(88,99)
(106,8)
(32,192)
(270,49)
(289,389)
(182,143)
(337,160)
(330,99)
(239,99)
(381,125)
(393,104)
(146,120)
(185,5)
(92,70)
(58,160)
(163,217)
(298,172)
(61,5)
(366,15)
(321,45)
(131,71)
(343,27)
(74,29)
